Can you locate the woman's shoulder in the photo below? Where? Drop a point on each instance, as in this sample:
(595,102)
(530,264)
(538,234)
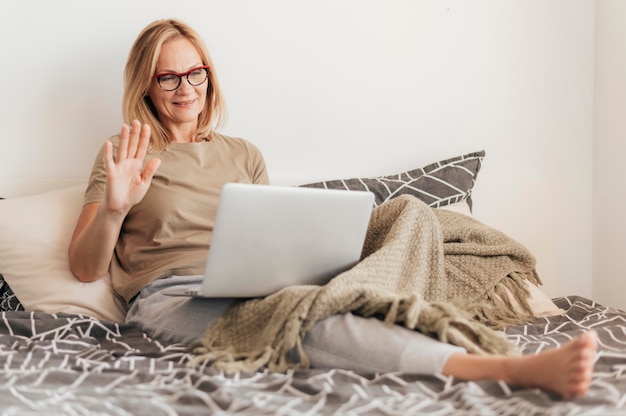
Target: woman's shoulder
(220,137)
(231,141)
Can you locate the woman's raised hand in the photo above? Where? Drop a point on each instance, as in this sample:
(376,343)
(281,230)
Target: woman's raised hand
(127,179)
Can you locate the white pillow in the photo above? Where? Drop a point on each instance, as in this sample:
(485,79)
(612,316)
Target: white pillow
(35,232)
(541,304)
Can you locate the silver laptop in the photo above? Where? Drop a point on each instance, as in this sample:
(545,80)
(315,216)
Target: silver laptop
(268,237)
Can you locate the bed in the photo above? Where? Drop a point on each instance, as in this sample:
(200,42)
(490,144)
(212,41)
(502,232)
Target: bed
(64,348)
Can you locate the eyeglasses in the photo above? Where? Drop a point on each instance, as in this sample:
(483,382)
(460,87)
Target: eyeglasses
(170,81)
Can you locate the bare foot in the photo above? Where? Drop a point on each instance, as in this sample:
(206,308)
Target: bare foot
(565,371)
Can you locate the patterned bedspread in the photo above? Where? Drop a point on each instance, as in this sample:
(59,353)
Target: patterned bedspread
(75,365)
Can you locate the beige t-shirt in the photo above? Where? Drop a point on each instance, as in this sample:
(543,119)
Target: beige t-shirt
(169,231)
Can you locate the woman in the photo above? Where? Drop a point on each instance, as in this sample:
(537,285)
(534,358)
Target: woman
(147,220)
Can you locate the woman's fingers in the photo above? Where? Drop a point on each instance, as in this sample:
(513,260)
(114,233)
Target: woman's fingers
(109,163)
(144,141)
(133,139)
(122,148)
(150,169)
(127,177)
(131,153)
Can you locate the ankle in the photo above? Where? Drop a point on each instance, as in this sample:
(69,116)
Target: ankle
(511,370)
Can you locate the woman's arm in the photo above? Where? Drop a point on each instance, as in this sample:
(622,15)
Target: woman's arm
(93,241)
(98,227)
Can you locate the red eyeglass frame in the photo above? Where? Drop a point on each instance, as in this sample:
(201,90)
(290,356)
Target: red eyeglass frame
(182,74)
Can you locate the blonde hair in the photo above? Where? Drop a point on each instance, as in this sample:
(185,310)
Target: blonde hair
(140,68)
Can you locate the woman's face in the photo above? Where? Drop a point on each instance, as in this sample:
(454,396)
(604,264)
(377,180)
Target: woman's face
(181,106)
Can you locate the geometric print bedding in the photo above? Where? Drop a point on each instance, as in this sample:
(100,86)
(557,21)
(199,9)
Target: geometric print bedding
(73,364)
(437,184)
(8,300)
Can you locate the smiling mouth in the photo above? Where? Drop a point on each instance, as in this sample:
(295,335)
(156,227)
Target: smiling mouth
(185,102)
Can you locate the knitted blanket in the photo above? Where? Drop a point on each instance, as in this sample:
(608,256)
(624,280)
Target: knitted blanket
(442,273)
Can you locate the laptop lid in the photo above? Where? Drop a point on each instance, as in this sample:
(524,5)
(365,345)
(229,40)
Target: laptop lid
(268,237)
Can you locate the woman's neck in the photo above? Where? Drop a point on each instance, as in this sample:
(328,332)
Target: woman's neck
(182,134)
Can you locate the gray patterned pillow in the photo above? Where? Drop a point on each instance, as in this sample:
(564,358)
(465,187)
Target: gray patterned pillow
(438,184)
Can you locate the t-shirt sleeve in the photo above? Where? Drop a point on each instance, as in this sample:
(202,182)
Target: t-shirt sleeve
(258,170)
(96,187)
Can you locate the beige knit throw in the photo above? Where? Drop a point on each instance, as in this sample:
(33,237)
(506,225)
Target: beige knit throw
(439,272)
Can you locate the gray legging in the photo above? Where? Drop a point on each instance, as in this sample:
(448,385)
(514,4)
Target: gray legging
(341,341)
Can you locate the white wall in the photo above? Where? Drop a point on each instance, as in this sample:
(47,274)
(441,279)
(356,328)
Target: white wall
(339,88)
(609,147)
